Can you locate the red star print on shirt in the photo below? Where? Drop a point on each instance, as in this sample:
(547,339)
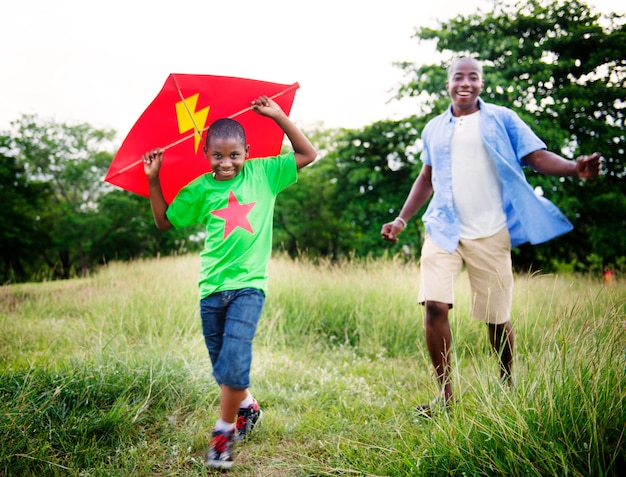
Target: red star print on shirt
(235,215)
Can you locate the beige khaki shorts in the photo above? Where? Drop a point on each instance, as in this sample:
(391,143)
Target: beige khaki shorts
(489,269)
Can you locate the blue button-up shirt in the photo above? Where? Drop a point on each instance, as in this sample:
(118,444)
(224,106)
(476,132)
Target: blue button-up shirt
(530,218)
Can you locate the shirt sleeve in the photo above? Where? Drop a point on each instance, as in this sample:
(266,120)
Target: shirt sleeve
(183,211)
(425,155)
(281,171)
(523,139)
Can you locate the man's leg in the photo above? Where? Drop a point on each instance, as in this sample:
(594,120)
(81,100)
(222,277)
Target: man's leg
(502,339)
(439,270)
(490,274)
(439,340)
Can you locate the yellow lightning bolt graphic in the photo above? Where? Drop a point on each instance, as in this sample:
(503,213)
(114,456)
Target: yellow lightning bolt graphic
(191,120)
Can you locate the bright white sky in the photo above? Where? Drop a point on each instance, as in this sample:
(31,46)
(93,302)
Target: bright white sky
(104,62)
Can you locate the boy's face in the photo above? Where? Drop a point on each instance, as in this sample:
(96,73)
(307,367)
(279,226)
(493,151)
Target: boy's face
(226,156)
(464,84)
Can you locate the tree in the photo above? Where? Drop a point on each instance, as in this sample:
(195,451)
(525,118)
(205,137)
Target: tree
(340,202)
(21,234)
(71,160)
(376,168)
(126,230)
(562,67)
(63,219)
(305,222)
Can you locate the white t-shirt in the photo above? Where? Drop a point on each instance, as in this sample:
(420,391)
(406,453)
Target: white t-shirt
(476,187)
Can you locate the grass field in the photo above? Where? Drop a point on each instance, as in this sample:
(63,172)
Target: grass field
(109,376)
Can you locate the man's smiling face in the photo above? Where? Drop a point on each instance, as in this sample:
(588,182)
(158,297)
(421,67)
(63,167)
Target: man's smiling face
(465,83)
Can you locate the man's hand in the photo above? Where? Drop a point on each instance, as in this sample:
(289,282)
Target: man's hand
(390,230)
(589,166)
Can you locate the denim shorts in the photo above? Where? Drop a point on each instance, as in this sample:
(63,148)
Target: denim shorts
(229,321)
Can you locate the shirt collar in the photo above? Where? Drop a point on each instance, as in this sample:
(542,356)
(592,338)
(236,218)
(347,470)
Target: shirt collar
(449,117)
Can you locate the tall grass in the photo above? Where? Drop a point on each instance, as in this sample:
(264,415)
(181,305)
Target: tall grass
(108,376)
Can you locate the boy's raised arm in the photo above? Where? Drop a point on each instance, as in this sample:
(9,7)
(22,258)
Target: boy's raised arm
(303,149)
(151,166)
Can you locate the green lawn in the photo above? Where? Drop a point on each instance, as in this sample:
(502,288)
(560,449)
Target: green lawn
(109,376)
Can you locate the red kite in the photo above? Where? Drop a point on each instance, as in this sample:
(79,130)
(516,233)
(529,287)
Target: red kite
(177,118)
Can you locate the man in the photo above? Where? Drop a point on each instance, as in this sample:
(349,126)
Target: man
(482,205)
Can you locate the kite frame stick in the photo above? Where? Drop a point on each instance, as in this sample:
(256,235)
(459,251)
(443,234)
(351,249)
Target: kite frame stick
(249,108)
(184,101)
(184,138)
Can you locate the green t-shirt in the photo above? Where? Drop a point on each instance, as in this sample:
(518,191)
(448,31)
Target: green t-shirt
(238,216)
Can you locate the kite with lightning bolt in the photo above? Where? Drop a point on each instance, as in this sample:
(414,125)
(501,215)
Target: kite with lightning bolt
(177,119)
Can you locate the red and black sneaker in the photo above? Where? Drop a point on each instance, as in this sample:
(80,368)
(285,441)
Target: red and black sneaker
(247,419)
(220,454)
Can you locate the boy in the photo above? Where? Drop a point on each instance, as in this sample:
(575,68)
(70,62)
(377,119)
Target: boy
(473,155)
(236,204)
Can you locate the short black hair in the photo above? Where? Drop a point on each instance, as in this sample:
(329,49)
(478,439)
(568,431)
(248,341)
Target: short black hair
(225,128)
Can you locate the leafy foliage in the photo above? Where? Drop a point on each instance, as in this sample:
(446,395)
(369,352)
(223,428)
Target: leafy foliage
(22,228)
(340,203)
(60,218)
